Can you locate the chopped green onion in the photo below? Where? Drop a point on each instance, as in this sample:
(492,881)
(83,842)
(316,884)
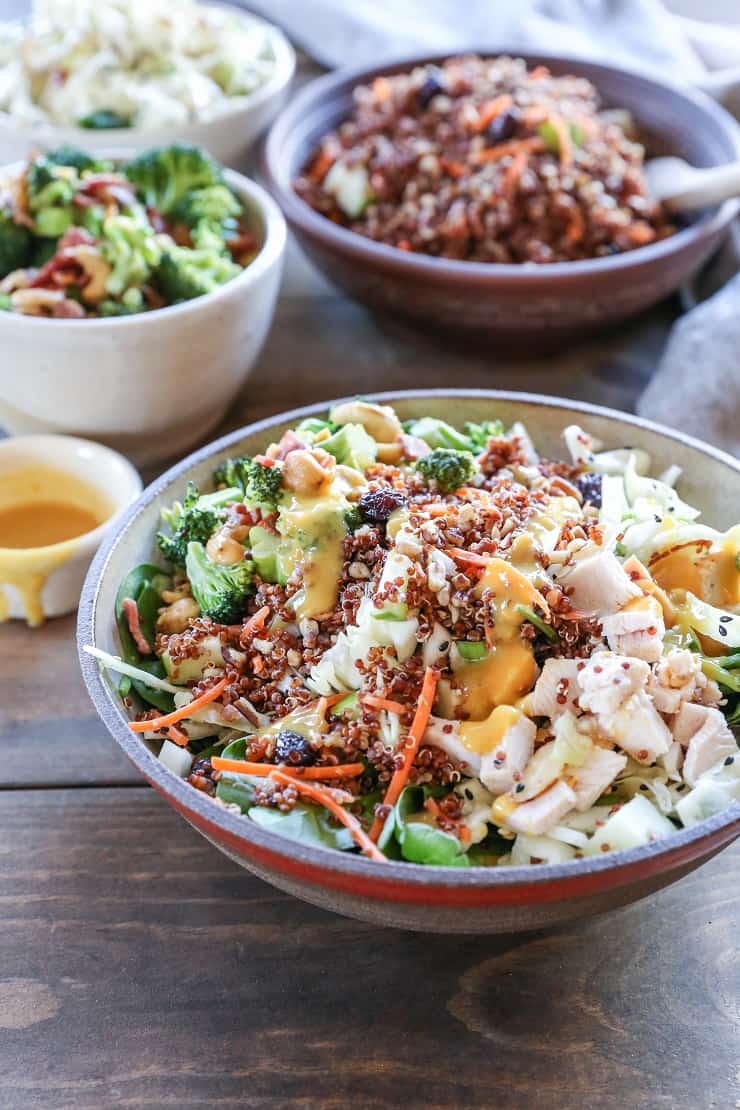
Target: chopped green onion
(472,651)
(546,629)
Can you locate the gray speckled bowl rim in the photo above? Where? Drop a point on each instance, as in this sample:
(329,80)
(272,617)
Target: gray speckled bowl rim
(241,827)
(312,223)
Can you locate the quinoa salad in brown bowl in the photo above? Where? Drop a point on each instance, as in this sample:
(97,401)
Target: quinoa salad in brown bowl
(494,197)
(486,160)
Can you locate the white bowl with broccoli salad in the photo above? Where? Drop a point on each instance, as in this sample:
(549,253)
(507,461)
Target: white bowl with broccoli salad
(135,294)
(100,73)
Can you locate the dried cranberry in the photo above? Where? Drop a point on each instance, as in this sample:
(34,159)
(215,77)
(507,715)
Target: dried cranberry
(427,92)
(291,747)
(504,126)
(376,505)
(589,486)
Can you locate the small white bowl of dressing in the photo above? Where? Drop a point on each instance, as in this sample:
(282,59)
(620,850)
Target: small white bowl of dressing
(58,497)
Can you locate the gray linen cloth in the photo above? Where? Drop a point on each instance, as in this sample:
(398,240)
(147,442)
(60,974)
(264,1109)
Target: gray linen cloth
(697,385)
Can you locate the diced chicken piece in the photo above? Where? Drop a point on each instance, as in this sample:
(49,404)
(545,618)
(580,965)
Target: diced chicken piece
(638,729)
(509,757)
(687,722)
(637,630)
(443,734)
(597,582)
(674,680)
(590,780)
(709,744)
(543,813)
(672,761)
(555,690)
(608,680)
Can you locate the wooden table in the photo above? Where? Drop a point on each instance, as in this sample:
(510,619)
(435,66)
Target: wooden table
(140,968)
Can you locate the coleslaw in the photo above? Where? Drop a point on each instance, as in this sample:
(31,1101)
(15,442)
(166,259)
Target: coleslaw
(130,63)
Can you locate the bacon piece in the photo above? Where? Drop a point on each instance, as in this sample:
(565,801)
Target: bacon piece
(131,613)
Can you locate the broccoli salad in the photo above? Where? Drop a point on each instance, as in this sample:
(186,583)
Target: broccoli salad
(103,64)
(82,236)
(429,644)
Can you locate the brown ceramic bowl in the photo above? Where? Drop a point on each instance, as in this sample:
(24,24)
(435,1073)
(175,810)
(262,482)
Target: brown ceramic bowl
(525,304)
(407,895)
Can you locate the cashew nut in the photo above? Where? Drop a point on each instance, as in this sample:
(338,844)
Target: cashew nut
(15,280)
(36,302)
(96,270)
(177,616)
(379,421)
(307,472)
(223,548)
(390,452)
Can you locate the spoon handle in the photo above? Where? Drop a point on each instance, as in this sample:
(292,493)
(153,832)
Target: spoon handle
(707,187)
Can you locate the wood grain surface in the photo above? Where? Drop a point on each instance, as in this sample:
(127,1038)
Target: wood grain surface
(139,968)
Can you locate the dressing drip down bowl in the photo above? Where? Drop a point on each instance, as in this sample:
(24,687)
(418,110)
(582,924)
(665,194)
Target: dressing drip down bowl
(524,303)
(408,895)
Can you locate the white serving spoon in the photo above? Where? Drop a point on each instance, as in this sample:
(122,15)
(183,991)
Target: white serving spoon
(683,188)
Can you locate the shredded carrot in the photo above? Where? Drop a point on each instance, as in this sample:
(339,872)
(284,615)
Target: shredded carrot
(411,747)
(465,834)
(453,168)
(177,736)
(382,88)
(576,227)
(501,150)
(538,73)
(246,767)
(321,166)
(184,711)
(432,806)
(383,703)
(487,112)
(324,798)
(514,171)
(471,557)
(257,619)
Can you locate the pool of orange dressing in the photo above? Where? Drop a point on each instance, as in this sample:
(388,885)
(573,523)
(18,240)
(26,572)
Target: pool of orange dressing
(43,513)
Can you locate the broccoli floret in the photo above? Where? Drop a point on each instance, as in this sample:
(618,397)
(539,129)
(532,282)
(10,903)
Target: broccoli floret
(480,434)
(183,274)
(41,251)
(437,433)
(353,446)
(221,591)
(79,159)
(447,468)
(131,248)
(189,523)
(104,119)
(6,304)
(214,206)
(51,186)
(262,484)
(165,174)
(15,245)
(353,518)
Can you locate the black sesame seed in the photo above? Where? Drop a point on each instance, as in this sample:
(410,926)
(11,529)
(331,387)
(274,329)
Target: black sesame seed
(722,630)
(469,794)
(519,787)
(729,761)
(725,620)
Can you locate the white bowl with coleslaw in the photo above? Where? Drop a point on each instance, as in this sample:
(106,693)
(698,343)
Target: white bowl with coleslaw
(182,102)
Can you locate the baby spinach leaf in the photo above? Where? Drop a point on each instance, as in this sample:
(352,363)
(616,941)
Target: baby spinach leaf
(420,843)
(144,584)
(305,823)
